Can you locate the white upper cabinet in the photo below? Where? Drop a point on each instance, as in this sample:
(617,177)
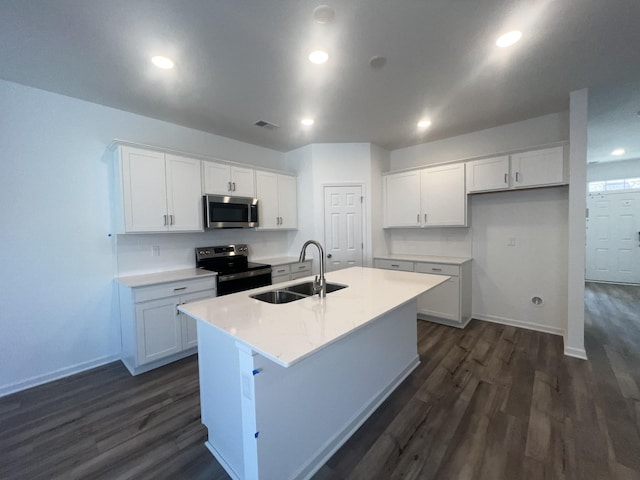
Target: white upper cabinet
(277,200)
(535,168)
(232,180)
(402,199)
(444,199)
(488,174)
(156,192)
(538,168)
(430,197)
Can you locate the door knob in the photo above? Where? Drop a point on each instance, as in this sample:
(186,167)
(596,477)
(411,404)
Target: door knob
(329,255)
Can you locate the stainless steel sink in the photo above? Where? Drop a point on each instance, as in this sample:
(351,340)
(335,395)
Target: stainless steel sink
(293,293)
(278,296)
(306,288)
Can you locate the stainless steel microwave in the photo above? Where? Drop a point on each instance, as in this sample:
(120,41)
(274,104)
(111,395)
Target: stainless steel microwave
(221,211)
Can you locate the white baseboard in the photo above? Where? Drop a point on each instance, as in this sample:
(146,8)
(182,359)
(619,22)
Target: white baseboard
(520,324)
(580,353)
(56,375)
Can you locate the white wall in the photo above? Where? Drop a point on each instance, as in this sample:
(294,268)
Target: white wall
(505,278)
(58,260)
(513,136)
(613,170)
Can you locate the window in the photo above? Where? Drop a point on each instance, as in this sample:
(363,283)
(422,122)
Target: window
(614,185)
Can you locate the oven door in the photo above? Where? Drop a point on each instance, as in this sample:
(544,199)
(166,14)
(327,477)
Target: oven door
(239,282)
(230,212)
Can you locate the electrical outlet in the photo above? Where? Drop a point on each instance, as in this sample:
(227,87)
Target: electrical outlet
(155,251)
(512,242)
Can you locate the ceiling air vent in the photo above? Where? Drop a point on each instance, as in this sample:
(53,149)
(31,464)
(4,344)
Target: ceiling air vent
(267,125)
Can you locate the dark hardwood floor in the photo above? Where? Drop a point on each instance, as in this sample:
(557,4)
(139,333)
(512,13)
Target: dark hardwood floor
(487,402)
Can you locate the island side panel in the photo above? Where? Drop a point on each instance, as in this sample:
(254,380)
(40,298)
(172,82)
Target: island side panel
(304,413)
(220,397)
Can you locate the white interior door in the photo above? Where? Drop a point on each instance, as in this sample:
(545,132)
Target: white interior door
(343,226)
(613,237)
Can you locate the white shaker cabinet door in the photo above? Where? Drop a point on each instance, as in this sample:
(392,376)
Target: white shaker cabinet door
(144,190)
(189,324)
(402,199)
(242,182)
(159,329)
(287,201)
(488,174)
(267,195)
(217,178)
(184,196)
(538,168)
(442,301)
(444,199)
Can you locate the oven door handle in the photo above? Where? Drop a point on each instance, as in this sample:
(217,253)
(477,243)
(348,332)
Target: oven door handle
(237,276)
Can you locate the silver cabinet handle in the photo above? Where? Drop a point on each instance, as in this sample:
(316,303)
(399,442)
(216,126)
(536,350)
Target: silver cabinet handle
(234,186)
(165,220)
(517,176)
(395,266)
(171,221)
(418,218)
(302,267)
(178,289)
(506,178)
(436,269)
(425,218)
(229,187)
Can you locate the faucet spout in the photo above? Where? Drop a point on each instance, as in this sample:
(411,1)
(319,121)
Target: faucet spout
(319,284)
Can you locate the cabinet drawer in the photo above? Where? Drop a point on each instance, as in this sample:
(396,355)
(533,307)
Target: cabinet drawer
(278,270)
(301,267)
(280,278)
(438,269)
(394,265)
(163,290)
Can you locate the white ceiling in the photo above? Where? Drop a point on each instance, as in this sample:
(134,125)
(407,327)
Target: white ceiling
(240,61)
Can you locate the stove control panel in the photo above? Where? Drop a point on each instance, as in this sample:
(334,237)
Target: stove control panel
(221,251)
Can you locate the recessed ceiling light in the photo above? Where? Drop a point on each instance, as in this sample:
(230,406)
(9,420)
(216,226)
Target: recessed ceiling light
(618,151)
(318,57)
(307,122)
(162,62)
(508,39)
(424,123)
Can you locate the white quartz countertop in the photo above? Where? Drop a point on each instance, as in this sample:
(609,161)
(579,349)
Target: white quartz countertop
(424,258)
(164,277)
(287,333)
(277,260)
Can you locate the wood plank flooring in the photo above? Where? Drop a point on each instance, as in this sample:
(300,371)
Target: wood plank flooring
(487,402)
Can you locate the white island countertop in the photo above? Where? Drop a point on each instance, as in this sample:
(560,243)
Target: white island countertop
(287,333)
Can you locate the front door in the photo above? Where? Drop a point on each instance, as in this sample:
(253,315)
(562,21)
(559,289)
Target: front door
(343,226)
(613,237)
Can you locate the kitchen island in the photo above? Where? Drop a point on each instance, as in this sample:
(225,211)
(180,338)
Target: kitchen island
(283,386)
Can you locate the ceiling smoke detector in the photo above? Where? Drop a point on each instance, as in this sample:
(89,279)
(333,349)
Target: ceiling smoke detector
(267,125)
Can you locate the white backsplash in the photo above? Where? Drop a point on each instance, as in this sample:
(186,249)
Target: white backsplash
(451,242)
(135,252)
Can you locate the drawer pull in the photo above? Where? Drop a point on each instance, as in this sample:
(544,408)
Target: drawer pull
(436,269)
(395,266)
(302,267)
(280,271)
(178,289)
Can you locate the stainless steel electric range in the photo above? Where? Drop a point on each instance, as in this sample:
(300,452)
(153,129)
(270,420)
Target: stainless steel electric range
(235,272)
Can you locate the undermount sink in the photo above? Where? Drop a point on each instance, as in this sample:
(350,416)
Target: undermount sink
(293,293)
(306,288)
(278,296)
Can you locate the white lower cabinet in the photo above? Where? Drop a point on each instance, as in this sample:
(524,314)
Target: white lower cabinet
(154,332)
(290,271)
(448,303)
